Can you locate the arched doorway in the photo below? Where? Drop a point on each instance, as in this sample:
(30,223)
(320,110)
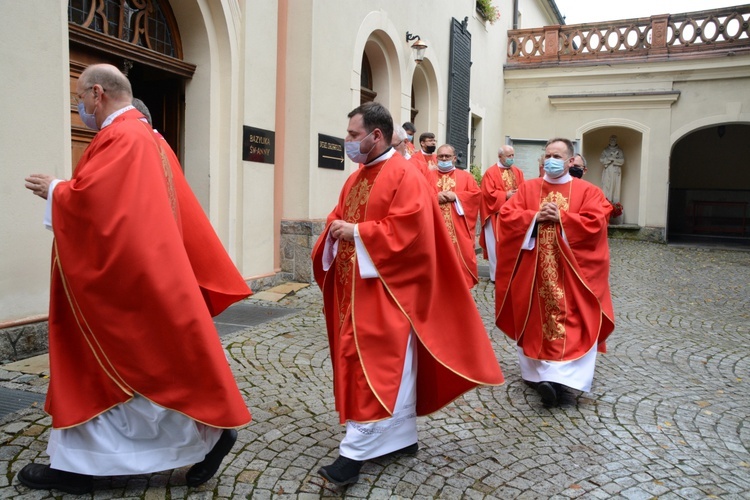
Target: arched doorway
(424,99)
(141,38)
(709,186)
(379,73)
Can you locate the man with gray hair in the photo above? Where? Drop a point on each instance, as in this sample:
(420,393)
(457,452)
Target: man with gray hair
(399,139)
(139,381)
(499,183)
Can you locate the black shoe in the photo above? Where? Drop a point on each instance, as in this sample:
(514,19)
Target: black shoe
(407,450)
(343,471)
(548,394)
(43,477)
(206,468)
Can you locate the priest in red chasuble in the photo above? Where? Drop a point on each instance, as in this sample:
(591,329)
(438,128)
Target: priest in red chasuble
(139,381)
(552,289)
(499,183)
(405,335)
(458,197)
(424,159)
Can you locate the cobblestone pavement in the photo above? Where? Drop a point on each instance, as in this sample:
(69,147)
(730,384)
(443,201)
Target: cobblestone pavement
(667,416)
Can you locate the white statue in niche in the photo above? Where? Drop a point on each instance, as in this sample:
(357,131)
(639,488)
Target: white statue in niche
(612,159)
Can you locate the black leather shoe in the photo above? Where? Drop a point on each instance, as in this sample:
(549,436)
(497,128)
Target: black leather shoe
(343,471)
(206,468)
(548,394)
(407,450)
(43,477)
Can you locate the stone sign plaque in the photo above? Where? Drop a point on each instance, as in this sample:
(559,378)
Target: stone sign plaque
(258,145)
(330,152)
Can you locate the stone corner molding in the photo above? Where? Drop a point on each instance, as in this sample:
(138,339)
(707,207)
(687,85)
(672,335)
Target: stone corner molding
(615,100)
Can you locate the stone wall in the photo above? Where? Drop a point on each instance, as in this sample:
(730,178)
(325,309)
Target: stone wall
(297,240)
(636,232)
(21,342)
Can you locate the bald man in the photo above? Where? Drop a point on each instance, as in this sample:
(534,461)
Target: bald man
(139,381)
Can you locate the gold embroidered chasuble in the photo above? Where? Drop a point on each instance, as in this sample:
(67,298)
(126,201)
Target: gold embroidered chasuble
(554,300)
(369,320)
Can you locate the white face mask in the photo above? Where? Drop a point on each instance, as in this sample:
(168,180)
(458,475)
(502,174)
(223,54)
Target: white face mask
(88,119)
(445,165)
(353,151)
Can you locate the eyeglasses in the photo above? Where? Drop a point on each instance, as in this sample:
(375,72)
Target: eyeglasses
(78,98)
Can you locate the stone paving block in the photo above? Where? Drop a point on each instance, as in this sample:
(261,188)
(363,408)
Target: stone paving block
(664,418)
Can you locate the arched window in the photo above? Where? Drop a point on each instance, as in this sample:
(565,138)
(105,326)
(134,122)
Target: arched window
(143,23)
(366,94)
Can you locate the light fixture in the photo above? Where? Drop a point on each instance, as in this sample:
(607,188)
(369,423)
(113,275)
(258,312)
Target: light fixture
(419,47)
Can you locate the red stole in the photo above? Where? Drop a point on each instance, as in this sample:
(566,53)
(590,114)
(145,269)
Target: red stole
(461,228)
(137,272)
(495,185)
(554,300)
(420,286)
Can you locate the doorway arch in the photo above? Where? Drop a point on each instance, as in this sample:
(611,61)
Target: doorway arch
(709,185)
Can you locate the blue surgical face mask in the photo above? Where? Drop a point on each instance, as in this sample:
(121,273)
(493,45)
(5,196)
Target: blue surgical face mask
(353,151)
(445,165)
(554,167)
(88,119)
(509,162)
(410,137)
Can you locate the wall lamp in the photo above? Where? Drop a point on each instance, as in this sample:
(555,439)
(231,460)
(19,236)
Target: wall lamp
(419,47)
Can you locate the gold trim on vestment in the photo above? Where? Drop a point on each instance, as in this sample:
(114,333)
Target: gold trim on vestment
(447,183)
(356,200)
(75,308)
(509,179)
(551,284)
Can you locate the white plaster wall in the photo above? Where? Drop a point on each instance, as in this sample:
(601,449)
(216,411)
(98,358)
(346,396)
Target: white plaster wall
(34,138)
(327,39)
(712,91)
(258,62)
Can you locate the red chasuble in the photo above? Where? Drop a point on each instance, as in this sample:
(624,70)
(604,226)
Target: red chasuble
(137,272)
(409,147)
(425,164)
(554,300)
(461,228)
(420,285)
(496,183)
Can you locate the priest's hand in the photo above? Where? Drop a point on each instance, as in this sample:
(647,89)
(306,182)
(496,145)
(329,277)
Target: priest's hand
(446,197)
(39,184)
(510,193)
(549,213)
(342,230)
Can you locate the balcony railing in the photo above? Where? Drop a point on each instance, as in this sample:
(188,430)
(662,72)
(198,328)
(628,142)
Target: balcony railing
(694,34)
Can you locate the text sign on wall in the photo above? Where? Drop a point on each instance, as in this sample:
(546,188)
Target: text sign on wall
(258,144)
(330,152)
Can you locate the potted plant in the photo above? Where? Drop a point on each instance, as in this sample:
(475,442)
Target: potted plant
(488,11)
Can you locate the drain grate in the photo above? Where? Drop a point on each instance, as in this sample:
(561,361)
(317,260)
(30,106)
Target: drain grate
(12,400)
(243,315)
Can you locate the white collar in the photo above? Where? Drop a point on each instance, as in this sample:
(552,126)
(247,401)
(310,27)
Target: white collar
(560,180)
(385,156)
(114,115)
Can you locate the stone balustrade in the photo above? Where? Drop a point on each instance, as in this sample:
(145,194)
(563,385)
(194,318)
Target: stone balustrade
(690,35)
